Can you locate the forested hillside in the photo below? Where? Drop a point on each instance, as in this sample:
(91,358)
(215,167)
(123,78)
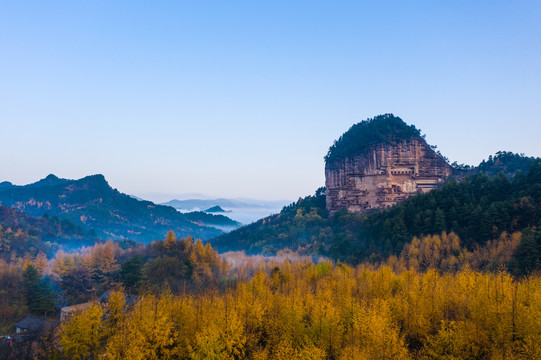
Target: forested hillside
(478,208)
(505,162)
(91,203)
(22,234)
(32,283)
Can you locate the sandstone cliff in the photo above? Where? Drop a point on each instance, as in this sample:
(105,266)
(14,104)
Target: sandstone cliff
(382,173)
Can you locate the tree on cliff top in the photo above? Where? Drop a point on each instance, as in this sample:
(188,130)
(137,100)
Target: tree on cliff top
(380,129)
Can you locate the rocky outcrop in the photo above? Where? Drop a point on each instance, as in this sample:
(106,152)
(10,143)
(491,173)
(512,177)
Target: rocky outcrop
(384,174)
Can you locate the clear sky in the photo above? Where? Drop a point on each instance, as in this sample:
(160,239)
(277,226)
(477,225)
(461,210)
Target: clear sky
(243,98)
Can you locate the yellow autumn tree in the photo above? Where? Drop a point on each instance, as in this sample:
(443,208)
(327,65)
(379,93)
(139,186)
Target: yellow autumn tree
(375,334)
(40,262)
(149,332)
(81,337)
(102,265)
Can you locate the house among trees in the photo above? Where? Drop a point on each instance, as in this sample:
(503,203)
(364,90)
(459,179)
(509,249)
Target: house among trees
(34,323)
(68,312)
(30,328)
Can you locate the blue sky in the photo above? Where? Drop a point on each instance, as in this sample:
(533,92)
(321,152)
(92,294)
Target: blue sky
(243,98)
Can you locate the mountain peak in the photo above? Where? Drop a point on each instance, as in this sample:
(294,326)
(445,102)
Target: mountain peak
(5,184)
(95,181)
(49,180)
(95,177)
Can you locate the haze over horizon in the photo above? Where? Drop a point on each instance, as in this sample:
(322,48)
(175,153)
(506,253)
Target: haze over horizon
(243,100)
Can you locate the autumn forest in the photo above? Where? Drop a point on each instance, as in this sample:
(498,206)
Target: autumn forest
(432,301)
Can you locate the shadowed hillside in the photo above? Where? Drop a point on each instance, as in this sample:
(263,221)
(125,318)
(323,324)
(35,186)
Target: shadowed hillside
(91,203)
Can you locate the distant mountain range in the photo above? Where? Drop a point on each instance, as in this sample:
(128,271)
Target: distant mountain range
(190,204)
(91,203)
(245,211)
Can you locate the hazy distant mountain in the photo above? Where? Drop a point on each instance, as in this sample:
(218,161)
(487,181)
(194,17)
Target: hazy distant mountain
(216,209)
(245,211)
(93,204)
(190,204)
(204,204)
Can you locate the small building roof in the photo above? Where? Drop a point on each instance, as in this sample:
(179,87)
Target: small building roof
(76,308)
(35,323)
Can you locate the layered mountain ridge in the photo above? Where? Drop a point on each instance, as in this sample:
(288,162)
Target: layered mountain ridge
(92,203)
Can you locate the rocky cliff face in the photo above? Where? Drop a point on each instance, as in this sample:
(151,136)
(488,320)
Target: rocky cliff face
(384,174)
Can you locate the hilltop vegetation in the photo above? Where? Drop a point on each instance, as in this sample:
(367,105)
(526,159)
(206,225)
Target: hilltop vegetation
(505,162)
(380,129)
